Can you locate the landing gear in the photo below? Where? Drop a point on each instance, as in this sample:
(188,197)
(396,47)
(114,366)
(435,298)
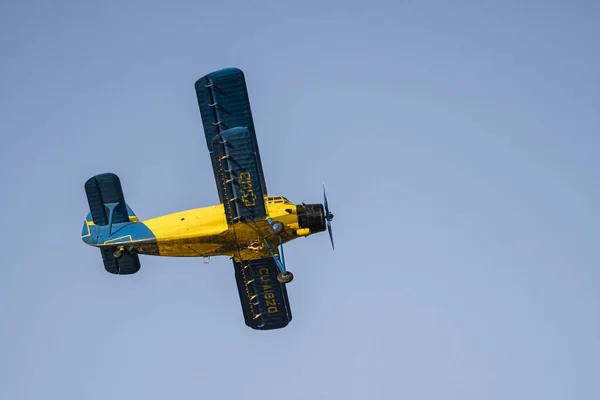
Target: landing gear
(119,252)
(276,228)
(285,277)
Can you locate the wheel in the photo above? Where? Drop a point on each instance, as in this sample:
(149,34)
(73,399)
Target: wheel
(285,277)
(276,228)
(118,253)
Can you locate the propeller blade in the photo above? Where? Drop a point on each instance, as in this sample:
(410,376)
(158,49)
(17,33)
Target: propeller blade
(325,197)
(328,216)
(330,235)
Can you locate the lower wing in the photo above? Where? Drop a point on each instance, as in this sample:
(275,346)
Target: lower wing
(264,300)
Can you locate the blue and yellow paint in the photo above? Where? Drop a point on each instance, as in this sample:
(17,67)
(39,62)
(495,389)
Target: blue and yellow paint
(201,232)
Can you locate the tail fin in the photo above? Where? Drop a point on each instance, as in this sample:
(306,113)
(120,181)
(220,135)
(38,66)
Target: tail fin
(131,214)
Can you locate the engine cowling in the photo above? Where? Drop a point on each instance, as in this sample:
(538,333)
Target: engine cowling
(311,216)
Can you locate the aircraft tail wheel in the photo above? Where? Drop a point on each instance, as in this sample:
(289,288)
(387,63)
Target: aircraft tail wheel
(119,252)
(285,277)
(276,228)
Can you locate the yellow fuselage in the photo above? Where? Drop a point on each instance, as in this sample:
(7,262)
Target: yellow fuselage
(205,232)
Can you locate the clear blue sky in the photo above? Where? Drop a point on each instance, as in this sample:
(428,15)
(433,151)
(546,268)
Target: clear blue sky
(459,141)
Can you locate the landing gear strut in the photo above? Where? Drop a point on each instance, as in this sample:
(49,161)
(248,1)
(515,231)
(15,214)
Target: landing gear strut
(276,228)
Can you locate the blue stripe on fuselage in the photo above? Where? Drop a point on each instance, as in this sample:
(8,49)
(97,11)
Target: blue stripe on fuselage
(126,232)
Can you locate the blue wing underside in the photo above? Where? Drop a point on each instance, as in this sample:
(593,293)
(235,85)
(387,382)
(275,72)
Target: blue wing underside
(231,140)
(264,300)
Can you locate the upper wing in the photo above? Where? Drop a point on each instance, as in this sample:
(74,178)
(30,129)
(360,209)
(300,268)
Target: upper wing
(237,174)
(264,300)
(231,141)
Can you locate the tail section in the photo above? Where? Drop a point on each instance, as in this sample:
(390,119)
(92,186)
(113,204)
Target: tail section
(106,224)
(131,214)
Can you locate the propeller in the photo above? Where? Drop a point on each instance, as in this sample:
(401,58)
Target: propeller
(328,216)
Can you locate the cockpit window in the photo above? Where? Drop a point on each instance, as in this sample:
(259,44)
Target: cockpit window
(278,199)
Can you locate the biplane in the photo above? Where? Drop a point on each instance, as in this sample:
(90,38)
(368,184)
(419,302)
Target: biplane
(248,225)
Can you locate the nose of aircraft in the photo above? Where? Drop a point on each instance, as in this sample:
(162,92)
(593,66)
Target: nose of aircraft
(311,216)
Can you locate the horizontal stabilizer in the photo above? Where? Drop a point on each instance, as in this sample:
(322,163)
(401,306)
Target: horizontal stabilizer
(127,264)
(103,193)
(264,300)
